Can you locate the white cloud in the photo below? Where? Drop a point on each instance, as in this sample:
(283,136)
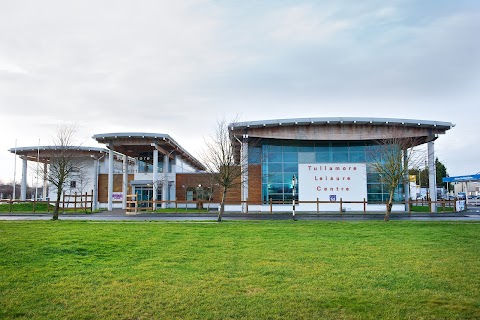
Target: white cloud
(304,23)
(386,12)
(174,67)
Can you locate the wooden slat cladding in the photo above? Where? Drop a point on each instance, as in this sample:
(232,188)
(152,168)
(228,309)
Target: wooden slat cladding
(117,185)
(186,180)
(255,183)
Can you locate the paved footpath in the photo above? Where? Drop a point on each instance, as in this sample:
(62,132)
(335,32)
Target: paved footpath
(119,215)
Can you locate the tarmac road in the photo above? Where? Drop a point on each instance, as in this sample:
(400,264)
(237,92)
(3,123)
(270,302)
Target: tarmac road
(472,214)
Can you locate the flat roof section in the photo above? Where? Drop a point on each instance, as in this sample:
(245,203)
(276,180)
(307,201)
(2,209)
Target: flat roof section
(134,143)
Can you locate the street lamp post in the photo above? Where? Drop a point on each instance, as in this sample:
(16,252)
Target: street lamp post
(294,183)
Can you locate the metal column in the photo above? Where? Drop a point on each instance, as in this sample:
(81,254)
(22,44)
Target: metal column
(125,182)
(165,180)
(45,181)
(155,177)
(174,176)
(110,180)
(23,187)
(95,184)
(432,176)
(406,180)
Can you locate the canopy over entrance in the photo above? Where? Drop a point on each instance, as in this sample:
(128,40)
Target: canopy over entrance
(138,144)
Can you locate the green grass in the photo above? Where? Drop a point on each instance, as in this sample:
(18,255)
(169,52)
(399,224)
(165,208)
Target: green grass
(25,207)
(239,270)
(40,207)
(426,208)
(179,209)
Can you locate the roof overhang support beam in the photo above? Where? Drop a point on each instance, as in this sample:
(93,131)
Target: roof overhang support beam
(162,150)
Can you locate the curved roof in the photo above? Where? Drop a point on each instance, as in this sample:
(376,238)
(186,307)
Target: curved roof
(45,153)
(143,135)
(343,120)
(130,143)
(342,129)
(20,150)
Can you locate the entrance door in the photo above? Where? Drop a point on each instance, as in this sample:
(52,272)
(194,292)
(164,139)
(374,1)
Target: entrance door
(145,196)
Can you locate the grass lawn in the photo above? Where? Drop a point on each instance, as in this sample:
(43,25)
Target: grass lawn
(239,270)
(426,208)
(26,207)
(40,207)
(180,209)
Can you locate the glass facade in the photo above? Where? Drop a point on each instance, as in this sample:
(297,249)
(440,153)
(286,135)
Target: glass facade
(145,195)
(145,163)
(280,159)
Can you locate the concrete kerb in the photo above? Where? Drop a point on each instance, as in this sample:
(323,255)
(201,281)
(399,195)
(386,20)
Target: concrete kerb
(118,214)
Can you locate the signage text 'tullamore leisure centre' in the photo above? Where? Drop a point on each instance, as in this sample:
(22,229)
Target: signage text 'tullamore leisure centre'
(332,181)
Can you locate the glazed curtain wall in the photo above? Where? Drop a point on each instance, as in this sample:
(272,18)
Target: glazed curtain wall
(280,159)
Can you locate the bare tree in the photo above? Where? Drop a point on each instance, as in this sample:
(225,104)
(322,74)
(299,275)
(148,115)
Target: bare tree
(391,157)
(221,158)
(63,162)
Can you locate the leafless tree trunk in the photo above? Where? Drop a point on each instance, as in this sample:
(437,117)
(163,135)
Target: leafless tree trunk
(387,157)
(63,162)
(220,157)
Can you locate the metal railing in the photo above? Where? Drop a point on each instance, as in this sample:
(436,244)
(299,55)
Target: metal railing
(134,205)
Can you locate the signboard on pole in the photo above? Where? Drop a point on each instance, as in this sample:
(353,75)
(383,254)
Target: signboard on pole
(473,177)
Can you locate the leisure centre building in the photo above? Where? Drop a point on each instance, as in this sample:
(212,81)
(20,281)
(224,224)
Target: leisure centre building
(327,156)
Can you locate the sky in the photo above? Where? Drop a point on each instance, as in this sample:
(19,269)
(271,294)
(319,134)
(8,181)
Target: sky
(177,67)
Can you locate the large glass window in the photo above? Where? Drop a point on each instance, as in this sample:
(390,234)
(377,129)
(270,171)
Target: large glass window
(306,157)
(198,193)
(145,163)
(280,161)
(145,195)
(254,154)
